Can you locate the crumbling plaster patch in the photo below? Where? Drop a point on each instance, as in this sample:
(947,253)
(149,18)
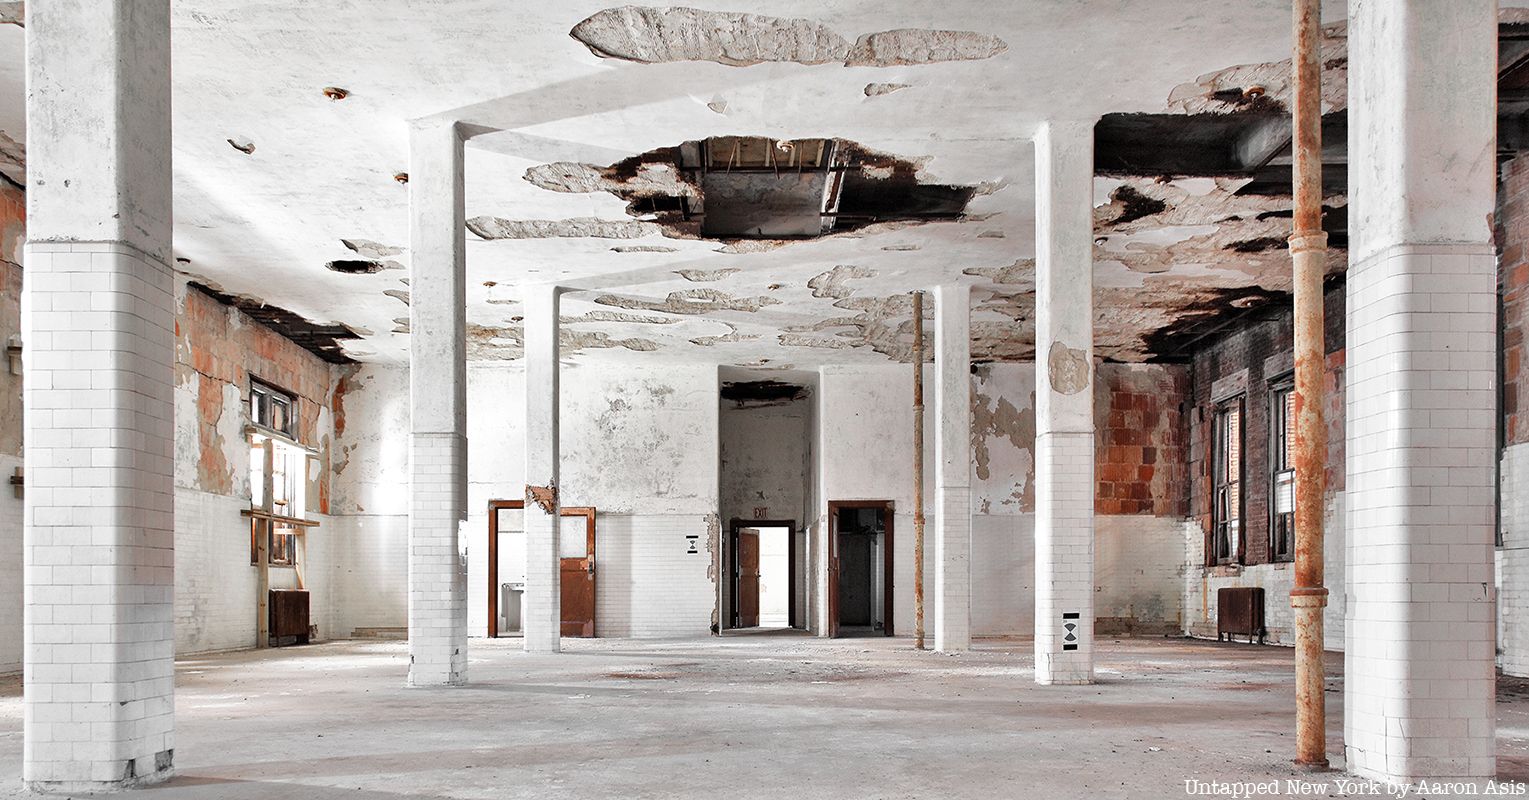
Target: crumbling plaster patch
(1225,91)
(493,228)
(653,35)
(690,302)
(1067,368)
(833,283)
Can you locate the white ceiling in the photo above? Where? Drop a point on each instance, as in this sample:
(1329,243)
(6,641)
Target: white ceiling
(264,224)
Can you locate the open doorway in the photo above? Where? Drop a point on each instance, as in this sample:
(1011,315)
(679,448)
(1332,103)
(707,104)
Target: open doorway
(860,568)
(764,573)
(507,569)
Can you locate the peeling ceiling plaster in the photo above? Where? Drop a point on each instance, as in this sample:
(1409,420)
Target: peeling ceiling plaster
(321,186)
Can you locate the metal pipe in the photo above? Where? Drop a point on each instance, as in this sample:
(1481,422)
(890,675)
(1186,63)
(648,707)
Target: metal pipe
(918,470)
(1308,251)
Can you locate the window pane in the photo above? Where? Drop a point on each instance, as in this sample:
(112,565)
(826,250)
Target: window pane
(1284,492)
(574,539)
(510,520)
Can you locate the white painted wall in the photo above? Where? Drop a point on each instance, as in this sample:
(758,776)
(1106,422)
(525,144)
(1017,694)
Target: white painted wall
(640,445)
(766,462)
(867,420)
(1201,583)
(1513,563)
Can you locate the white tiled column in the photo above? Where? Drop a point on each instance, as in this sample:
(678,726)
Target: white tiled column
(98,322)
(438,407)
(1064,403)
(1419,694)
(952,465)
(543,599)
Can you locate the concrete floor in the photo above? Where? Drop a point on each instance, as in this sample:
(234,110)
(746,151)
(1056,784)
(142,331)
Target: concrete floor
(765,715)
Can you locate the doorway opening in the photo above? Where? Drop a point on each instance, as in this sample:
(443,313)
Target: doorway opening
(860,568)
(764,573)
(507,569)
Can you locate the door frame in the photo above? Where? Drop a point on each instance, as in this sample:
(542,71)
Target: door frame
(493,560)
(736,525)
(888,508)
(591,556)
(493,552)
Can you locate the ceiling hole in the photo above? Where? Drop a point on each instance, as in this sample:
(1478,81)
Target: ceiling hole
(355,266)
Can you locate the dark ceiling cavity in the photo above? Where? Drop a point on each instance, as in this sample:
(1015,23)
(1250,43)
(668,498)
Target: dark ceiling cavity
(755,187)
(355,266)
(317,338)
(1256,245)
(762,392)
(1137,205)
(1211,312)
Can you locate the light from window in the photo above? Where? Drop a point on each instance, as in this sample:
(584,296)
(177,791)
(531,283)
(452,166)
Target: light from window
(1282,473)
(1226,513)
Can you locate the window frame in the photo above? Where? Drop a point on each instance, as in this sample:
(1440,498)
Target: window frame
(274,396)
(1222,548)
(1280,461)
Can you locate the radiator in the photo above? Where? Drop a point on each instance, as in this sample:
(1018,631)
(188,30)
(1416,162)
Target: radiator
(1240,612)
(288,617)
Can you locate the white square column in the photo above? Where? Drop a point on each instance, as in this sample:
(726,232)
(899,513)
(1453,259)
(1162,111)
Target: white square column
(1419,695)
(952,468)
(437,406)
(98,317)
(1064,403)
(542,623)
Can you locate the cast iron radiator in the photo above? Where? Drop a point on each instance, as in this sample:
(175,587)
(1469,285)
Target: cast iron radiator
(1240,611)
(288,617)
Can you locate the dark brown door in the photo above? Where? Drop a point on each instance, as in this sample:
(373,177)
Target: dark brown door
(833,570)
(748,579)
(577,573)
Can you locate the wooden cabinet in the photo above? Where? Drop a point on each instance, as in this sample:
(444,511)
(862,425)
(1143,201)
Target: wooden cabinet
(288,617)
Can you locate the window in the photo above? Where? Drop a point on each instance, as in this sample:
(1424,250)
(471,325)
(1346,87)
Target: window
(1226,482)
(282,478)
(272,408)
(281,542)
(1281,471)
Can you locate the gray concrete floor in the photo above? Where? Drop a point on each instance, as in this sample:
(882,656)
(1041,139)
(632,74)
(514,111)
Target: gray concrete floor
(768,715)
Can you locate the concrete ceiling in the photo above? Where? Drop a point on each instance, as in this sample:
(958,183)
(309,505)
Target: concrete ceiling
(265,223)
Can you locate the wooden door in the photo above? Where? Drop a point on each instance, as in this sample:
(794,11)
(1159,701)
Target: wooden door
(748,578)
(576,559)
(833,570)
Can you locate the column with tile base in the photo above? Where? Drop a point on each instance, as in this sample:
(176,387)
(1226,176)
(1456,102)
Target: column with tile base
(1419,691)
(438,407)
(98,317)
(1064,403)
(543,599)
(953,464)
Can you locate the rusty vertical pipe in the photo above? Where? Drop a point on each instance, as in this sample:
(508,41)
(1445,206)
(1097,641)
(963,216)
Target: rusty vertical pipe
(1308,251)
(918,470)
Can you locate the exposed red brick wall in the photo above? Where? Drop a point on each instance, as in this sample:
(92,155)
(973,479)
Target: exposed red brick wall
(1140,445)
(13,234)
(1262,346)
(217,345)
(1513,243)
